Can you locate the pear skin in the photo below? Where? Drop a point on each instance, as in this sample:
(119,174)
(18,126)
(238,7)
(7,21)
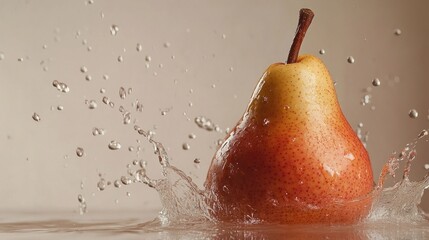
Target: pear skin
(293,157)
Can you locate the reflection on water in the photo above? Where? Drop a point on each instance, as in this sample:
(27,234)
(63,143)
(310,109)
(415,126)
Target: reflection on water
(45,227)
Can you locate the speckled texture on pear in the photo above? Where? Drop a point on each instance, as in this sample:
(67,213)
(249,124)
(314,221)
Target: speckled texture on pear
(292,154)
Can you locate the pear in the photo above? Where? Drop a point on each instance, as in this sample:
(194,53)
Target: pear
(292,157)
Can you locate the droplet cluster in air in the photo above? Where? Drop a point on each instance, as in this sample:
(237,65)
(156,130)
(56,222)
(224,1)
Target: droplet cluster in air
(366,99)
(206,124)
(62,87)
(97,131)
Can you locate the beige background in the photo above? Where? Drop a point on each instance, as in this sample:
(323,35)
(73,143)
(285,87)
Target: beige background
(220,49)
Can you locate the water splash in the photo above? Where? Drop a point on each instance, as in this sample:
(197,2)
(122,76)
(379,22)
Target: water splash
(184,202)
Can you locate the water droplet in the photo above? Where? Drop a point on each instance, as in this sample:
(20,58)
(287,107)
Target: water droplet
(413,113)
(167,44)
(350,156)
(114,29)
(92,104)
(122,93)
(197,160)
(105,100)
(376,82)
(62,87)
(423,134)
(186,146)
(366,99)
(351,60)
(322,51)
(36,117)
(213,85)
(398,32)
(88,78)
(224,36)
(225,189)
(102,90)
(128,194)
(140,175)
(139,47)
(114,145)
(89,2)
(106,77)
(139,107)
(80,198)
(426,166)
(2,56)
(148,58)
(97,131)
(125,180)
(127,118)
(192,136)
(80,152)
(101,185)
(266,121)
(117,184)
(360,125)
(205,123)
(130,90)
(83,69)
(143,164)
(60,108)
(20,59)
(120,59)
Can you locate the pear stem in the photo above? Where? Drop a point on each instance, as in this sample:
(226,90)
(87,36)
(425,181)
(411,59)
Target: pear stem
(305,18)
